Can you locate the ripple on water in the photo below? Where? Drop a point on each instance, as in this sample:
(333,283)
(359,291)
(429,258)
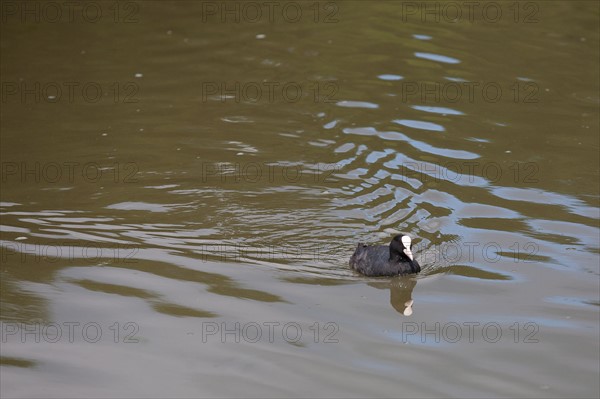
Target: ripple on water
(13,229)
(357,104)
(420,125)
(572,301)
(143,206)
(8,204)
(344,148)
(330,125)
(537,196)
(390,77)
(478,140)
(237,119)
(422,37)
(163,187)
(433,170)
(437,110)
(454,79)
(438,58)
(422,146)
(242,147)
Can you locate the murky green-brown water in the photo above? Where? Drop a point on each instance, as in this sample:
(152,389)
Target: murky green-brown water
(215,189)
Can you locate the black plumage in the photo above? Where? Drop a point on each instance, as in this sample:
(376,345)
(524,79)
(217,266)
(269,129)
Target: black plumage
(382,260)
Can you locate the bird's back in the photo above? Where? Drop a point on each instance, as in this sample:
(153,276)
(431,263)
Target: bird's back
(374,260)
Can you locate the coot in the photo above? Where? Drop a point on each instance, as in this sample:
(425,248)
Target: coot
(382,260)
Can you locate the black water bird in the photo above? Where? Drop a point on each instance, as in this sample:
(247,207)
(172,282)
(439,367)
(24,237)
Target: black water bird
(383,260)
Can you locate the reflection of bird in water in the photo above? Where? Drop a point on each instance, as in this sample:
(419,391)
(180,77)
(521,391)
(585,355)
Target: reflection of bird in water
(401,289)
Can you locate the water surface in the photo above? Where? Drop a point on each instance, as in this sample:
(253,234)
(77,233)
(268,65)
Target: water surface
(215,190)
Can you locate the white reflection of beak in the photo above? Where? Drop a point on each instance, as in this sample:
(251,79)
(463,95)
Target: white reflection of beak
(408,311)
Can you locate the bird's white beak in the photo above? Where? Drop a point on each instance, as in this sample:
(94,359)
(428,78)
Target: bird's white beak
(406,242)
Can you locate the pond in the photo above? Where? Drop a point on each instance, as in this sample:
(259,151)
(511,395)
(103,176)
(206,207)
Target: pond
(183,184)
